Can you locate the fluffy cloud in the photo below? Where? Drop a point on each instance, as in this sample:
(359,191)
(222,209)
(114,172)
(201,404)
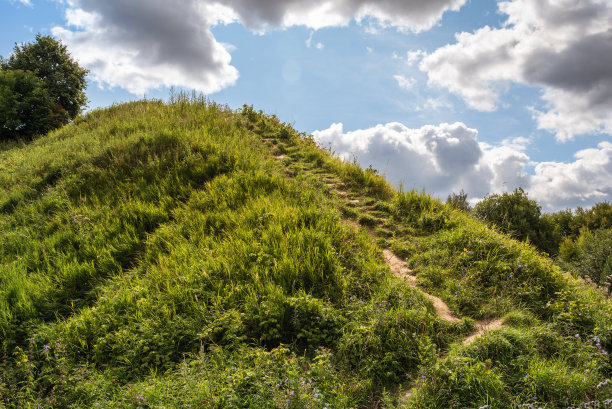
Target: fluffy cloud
(439,158)
(583,182)
(144,44)
(448,157)
(563,46)
(415,15)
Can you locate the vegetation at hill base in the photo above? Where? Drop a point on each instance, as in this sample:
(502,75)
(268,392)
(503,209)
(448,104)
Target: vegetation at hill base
(41,88)
(184,255)
(579,240)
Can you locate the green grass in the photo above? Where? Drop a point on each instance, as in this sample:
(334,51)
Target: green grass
(158,255)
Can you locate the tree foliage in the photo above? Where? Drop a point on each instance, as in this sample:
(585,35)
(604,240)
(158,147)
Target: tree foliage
(459,201)
(590,256)
(516,214)
(42,88)
(25,106)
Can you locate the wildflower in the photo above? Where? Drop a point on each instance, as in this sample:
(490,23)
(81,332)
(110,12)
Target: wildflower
(603,383)
(140,399)
(577,336)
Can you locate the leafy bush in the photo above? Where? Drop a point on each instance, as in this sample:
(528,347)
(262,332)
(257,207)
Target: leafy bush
(590,256)
(41,88)
(26,108)
(519,216)
(62,77)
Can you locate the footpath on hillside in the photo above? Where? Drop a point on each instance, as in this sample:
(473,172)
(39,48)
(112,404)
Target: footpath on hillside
(397,266)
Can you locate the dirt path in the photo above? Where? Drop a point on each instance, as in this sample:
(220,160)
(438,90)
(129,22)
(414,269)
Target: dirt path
(400,269)
(482,327)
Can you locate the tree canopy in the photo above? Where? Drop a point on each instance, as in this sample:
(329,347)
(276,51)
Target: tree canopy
(42,88)
(25,106)
(516,214)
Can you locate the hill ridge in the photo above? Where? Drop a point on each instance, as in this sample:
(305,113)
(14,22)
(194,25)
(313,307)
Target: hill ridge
(180,255)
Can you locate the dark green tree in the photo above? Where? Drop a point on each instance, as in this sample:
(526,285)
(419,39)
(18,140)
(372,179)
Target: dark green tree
(516,214)
(62,77)
(26,109)
(459,201)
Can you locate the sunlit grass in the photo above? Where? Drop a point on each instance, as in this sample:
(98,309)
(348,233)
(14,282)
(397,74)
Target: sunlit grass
(159,255)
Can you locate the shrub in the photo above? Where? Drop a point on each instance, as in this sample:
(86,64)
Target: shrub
(26,108)
(62,77)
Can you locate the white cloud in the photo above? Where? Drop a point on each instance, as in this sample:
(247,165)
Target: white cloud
(309,39)
(435,104)
(448,157)
(415,15)
(318,46)
(439,158)
(414,56)
(563,46)
(143,44)
(404,82)
(27,3)
(584,182)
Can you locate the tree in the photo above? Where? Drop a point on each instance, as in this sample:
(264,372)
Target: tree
(590,256)
(519,216)
(459,201)
(62,77)
(26,109)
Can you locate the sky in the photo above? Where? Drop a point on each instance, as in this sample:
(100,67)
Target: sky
(441,95)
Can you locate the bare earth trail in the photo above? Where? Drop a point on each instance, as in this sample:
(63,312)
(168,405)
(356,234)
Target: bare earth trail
(400,269)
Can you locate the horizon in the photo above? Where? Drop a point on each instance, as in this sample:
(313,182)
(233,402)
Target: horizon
(454,95)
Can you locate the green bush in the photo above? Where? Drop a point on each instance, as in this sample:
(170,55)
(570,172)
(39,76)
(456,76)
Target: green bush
(26,108)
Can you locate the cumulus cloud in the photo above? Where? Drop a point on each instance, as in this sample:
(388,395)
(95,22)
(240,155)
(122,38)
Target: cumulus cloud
(144,44)
(439,158)
(563,46)
(448,157)
(415,15)
(584,182)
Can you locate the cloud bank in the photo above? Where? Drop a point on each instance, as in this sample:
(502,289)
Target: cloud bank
(562,46)
(144,44)
(448,157)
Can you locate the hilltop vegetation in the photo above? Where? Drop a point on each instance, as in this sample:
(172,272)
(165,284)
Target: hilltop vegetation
(184,255)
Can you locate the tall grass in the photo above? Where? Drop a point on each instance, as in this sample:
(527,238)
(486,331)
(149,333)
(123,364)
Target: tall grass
(158,255)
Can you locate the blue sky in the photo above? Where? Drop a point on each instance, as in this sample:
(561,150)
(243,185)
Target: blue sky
(444,95)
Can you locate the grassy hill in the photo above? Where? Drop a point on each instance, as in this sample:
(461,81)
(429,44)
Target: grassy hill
(187,256)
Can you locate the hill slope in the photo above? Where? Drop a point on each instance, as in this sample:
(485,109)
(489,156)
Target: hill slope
(186,255)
